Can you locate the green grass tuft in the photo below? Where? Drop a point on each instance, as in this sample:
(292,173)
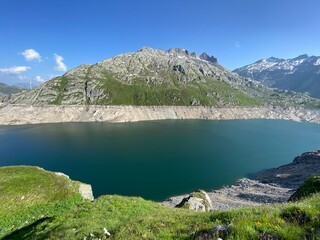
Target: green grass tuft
(309,187)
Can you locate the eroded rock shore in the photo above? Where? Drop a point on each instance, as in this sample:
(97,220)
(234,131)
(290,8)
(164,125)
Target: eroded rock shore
(34,114)
(270,186)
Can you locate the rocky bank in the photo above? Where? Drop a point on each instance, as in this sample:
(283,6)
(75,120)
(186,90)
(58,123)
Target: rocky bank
(35,114)
(268,187)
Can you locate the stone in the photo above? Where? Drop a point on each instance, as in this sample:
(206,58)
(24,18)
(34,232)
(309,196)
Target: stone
(216,233)
(60,174)
(86,191)
(197,201)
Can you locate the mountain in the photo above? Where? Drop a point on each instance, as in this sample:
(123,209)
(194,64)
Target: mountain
(6,89)
(300,74)
(157,77)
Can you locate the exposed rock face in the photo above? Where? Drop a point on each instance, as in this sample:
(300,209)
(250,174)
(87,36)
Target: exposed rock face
(300,74)
(270,186)
(197,201)
(22,114)
(156,77)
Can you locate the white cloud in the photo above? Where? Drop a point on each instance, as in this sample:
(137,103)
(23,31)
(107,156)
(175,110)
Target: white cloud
(60,65)
(39,79)
(31,54)
(22,77)
(15,70)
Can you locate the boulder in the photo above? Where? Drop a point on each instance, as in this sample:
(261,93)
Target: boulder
(86,191)
(197,201)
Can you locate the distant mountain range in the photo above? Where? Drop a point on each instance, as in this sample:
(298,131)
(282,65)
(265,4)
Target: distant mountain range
(6,89)
(157,77)
(300,74)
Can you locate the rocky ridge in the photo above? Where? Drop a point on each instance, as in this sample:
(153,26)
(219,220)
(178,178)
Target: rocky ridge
(300,74)
(268,187)
(157,77)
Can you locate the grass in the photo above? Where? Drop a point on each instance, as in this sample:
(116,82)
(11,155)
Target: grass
(62,215)
(63,82)
(309,187)
(28,194)
(172,92)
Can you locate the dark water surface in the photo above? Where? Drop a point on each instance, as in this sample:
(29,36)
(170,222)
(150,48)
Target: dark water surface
(157,159)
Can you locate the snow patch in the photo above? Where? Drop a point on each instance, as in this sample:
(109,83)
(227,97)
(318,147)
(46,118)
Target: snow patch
(317,62)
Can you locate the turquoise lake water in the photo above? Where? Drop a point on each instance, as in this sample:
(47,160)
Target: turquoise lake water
(157,159)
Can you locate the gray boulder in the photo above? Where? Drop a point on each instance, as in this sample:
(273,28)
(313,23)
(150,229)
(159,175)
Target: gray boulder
(197,201)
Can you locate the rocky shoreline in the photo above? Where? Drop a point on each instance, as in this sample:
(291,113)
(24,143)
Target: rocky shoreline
(268,187)
(34,114)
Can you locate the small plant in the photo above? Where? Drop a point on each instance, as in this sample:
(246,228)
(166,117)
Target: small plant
(309,187)
(295,214)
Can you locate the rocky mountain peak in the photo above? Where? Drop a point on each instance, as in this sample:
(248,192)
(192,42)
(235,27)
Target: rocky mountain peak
(185,53)
(205,56)
(300,74)
(274,59)
(145,49)
(178,51)
(300,57)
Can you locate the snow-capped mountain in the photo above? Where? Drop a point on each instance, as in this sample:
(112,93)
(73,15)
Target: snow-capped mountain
(300,74)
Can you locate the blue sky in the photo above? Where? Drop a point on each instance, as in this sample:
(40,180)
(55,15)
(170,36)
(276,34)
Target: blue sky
(41,39)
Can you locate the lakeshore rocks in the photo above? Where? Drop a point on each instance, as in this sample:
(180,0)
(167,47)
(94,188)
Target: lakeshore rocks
(34,114)
(245,193)
(294,174)
(268,187)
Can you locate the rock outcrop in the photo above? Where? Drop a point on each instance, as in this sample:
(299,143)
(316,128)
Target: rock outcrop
(84,189)
(197,201)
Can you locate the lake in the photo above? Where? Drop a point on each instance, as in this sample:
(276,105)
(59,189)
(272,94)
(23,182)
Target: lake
(157,159)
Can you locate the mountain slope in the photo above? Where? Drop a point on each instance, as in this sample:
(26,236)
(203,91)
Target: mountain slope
(156,77)
(300,74)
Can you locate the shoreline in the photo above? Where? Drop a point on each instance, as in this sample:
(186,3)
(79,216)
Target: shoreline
(36,114)
(270,186)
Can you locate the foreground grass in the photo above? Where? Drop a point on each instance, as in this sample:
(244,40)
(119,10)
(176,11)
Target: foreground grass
(28,194)
(136,218)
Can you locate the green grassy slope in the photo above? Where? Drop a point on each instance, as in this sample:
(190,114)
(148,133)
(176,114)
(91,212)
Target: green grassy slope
(28,194)
(170,92)
(135,218)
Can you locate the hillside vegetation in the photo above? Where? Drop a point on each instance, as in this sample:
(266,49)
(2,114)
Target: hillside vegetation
(36,204)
